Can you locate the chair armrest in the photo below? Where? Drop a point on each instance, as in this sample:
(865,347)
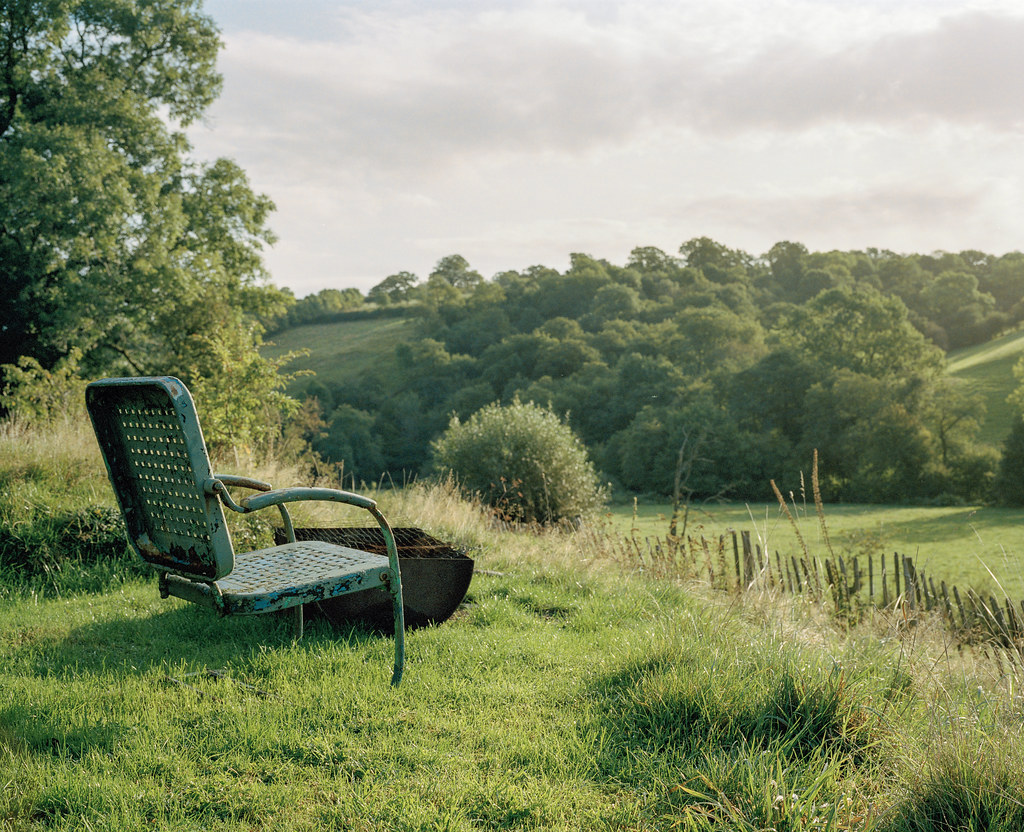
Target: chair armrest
(236,481)
(394,581)
(216,485)
(295,495)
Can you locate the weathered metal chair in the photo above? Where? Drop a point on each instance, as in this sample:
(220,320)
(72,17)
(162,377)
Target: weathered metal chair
(156,457)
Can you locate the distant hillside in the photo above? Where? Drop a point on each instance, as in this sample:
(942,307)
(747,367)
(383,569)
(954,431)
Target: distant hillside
(746,365)
(987,369)
(342,351)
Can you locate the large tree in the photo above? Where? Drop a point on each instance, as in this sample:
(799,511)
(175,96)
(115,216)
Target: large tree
(864,331)
(112,239)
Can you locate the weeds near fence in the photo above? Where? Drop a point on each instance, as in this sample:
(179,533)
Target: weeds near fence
(848,584)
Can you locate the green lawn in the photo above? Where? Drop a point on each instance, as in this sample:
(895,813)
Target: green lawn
(960,545)
(569,692)
(123,711)
(553,700)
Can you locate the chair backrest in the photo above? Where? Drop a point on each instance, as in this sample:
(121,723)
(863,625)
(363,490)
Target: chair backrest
(153,447)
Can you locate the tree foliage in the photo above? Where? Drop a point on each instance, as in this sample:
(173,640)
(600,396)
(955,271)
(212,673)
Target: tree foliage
(115,246)
(764,359)
(112,240)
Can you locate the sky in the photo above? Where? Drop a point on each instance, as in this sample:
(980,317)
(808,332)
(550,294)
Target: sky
(393,133)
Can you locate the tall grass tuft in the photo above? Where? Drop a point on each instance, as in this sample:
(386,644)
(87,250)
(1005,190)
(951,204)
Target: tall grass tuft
(960,784)
(59,530)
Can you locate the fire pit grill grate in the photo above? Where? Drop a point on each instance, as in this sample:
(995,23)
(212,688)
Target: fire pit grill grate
(435,576)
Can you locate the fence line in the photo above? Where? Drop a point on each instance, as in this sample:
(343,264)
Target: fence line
(733,562)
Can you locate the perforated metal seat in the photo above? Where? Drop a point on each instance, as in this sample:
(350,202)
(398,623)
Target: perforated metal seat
(313,571)
(154,451)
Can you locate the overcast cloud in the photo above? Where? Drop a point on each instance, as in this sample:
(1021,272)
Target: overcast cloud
(393,134)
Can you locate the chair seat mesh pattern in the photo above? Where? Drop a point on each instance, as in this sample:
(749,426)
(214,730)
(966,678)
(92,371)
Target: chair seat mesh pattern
(313,569)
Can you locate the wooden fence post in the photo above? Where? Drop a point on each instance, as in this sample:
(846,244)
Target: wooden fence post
(707,563)
(833,582)
(960,606)
(909,584)
(736,557)
(748,559)
(948,606)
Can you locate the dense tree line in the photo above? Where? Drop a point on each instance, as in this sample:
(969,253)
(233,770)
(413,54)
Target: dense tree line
(710,372)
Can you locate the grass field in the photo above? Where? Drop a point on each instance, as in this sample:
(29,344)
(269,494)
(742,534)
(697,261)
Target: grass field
(987,370)
(968,546)
(564,695)
(569,692)
(343,350)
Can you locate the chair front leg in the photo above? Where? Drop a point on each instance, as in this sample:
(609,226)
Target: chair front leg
(394,586)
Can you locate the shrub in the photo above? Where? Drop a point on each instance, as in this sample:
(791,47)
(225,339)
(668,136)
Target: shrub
(522,460)
(239,393)
(30,392)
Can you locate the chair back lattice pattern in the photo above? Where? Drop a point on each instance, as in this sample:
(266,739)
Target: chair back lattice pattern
(153,447)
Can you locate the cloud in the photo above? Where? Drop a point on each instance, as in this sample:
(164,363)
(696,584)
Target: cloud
(516,132)
(840,216)
(434,87)
(967,70)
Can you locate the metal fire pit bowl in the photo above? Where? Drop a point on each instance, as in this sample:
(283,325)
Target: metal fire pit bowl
(435,577)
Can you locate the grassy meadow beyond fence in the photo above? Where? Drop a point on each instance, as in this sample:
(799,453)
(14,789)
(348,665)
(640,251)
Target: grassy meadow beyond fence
(971,546)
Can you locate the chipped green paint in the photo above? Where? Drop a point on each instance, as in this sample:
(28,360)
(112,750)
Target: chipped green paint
(173,507)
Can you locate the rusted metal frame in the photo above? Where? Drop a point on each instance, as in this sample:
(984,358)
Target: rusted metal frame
(394,587)
(204,593)
(293,495)
(121,411)
(110,402)
(256,485)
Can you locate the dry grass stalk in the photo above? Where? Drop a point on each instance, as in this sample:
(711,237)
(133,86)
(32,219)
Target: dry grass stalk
(818,505)
(790,517)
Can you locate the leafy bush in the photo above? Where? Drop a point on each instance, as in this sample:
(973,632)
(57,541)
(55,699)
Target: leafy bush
(521,459)
(239,392)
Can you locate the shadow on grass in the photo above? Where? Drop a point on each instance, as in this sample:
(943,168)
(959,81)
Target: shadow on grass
(772,747)
(988,798)
(185,634)
(734,745)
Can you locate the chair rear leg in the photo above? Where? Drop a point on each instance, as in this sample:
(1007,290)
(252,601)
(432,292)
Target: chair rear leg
(297,621)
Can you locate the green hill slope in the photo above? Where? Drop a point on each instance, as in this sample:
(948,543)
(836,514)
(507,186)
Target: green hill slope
(342,350)
(987,369)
